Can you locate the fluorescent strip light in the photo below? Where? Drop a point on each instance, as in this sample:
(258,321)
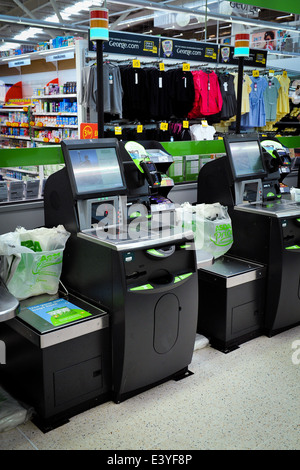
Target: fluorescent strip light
(285,16)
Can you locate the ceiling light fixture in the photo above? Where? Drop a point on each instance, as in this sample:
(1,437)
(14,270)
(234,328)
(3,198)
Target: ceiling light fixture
(285,16)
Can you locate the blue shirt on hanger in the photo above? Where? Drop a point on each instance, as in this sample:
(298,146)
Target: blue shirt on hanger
(257,114)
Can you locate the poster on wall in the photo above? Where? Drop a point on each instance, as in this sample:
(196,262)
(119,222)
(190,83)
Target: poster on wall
(264,40)
(272,40)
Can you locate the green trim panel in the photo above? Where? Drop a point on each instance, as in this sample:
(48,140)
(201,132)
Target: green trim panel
(51,155)
(47,155)
(143,287)
(194,147)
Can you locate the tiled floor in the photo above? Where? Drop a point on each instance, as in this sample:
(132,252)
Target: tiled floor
(247,399)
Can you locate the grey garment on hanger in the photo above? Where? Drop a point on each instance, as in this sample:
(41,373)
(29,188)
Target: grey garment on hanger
(112,89)
(87,94)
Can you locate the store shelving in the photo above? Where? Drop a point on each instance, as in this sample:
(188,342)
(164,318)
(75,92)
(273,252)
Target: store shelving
(15,124)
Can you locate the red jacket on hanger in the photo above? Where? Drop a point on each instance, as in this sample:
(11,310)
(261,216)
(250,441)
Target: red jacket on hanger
(208,98)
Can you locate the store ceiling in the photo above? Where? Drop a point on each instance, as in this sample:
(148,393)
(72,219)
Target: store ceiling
(127,17)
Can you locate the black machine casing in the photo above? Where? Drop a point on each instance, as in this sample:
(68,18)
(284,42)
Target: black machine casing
(152,316)
(148,287)
(231,308)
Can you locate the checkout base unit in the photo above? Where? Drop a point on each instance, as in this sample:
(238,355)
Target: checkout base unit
(59,371)
(152,303)
(231,306)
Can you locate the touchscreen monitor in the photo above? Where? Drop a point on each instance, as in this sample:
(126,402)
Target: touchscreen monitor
(245,157)
(94,167)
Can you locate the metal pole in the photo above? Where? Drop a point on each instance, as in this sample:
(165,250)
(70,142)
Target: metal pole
(239,95)
(100,103)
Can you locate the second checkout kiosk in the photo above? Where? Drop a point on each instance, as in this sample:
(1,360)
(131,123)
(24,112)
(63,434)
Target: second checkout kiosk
(255,288)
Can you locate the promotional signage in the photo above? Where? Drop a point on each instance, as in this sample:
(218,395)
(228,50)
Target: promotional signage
(188,50)
(129,44)
(88,130)
(257,57)
(166,48)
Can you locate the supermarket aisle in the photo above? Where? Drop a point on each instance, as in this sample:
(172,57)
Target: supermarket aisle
(248,399)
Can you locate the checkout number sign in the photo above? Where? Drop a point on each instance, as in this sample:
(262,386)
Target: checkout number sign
(88,130)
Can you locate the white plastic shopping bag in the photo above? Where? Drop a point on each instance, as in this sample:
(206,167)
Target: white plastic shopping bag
(210,224)
(32,260)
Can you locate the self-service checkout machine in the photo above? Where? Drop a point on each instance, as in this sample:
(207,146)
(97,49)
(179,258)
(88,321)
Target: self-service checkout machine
(259,278)
(125,317)
(143,274)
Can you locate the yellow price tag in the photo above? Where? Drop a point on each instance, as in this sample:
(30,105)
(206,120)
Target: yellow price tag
(118,130)
(284,73)
(271,73)
(186,67)
(136,64)
(204,123)
(139,129)
(255,73)
(161,66)
(164,126)
(185,124)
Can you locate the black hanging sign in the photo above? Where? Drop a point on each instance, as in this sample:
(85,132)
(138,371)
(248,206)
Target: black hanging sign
(257,57)
(188,50)
(129,44)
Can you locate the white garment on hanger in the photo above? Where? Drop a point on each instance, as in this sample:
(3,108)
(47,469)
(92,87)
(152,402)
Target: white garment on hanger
(200,132)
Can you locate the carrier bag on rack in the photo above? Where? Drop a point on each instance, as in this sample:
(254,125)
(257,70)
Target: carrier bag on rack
(210,224)
(31,260)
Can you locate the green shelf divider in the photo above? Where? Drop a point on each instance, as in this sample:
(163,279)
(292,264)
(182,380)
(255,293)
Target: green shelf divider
(194,147)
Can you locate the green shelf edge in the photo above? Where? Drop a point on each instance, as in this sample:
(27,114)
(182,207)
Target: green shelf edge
(51,155)
(48,155)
